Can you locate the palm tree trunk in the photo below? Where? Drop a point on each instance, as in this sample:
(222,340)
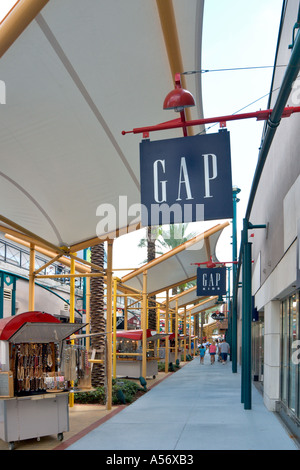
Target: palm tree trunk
(98,322)
(150,256)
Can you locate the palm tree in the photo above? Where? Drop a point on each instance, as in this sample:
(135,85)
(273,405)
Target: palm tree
(167,237)
(98,323)
(150,242)
(172,236)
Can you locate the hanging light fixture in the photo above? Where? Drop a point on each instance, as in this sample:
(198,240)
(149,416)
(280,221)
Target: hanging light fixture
(179,98)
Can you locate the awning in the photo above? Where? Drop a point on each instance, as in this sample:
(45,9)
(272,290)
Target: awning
(137,335)
(35,327)
(79,74)
(176,266)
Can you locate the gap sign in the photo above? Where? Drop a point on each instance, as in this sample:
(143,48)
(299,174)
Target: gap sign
(186,179)
(211,281)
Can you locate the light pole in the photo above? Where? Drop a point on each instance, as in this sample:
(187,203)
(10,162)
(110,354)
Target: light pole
(235,200)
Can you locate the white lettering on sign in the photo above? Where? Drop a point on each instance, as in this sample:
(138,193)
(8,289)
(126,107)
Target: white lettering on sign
(163,183)
(207,176)
(184,179)
(160,185)
(212,281)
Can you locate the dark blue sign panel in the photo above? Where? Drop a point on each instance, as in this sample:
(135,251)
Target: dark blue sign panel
(211,281)
(186,179)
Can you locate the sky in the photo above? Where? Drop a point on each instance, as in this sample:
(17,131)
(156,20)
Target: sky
(5,6)
(236,34)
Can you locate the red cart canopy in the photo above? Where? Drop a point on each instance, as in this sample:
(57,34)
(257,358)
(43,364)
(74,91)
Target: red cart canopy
(36,327)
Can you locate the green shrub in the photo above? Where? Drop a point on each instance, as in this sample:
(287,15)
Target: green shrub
(98,396)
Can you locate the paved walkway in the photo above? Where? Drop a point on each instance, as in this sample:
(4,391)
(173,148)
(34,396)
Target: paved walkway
(196,408)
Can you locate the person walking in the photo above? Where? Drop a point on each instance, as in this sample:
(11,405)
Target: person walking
(212,352)
(224,350)
(202,350)
(218,350)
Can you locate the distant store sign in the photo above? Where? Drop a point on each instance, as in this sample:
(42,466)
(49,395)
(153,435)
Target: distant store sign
(186,179)
(218,316)
(211,281)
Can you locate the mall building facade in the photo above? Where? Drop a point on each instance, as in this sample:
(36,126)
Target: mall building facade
(275,248)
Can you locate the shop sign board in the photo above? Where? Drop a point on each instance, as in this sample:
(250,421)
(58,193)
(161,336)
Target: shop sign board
(211,281)
(186,179)
(218,316)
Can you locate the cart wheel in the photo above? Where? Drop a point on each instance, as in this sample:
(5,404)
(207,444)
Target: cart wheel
(11,446)
(154,376)
(60,436)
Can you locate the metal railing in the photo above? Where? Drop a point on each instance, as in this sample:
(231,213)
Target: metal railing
(19,257)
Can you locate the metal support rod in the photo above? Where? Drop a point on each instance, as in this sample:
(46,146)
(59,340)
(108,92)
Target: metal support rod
(176,123)
(31,277)
(176,331)
(72,318)
(167,331)
(144,323)
(109,325)
(246,395)
(115,283)
(235,191)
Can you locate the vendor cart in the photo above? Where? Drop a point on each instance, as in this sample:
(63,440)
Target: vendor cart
(34,394)
(129,353)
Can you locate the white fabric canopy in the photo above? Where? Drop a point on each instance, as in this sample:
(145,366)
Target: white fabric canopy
(79,74)
(203,306)
(176,267)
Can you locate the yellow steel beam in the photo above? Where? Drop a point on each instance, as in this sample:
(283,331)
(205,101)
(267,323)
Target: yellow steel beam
(175,251)
(31,278)
(23,240)
(47,264)
(19,17)
(170,33)
(109,324)
(72,317)
(144,323)
(115,283)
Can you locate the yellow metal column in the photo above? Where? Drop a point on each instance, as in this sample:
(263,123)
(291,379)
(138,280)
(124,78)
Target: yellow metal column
(184,335)
(190,333)
(176,331)
(31,277)
(144,323)
(158,327)
(125,313)
(167,331)
(72,317)
(87,311)
(109,324)
(115,283)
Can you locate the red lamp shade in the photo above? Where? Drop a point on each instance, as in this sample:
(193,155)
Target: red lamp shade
(178,99)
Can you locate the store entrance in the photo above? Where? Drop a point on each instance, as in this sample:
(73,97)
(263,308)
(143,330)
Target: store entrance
(258,350)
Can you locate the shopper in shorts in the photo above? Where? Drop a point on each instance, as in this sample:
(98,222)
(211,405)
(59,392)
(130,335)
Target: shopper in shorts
(224,350)
(212,352)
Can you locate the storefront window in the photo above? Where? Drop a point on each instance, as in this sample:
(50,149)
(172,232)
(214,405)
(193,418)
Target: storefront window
(293,336)
(290,325)
(285,352)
